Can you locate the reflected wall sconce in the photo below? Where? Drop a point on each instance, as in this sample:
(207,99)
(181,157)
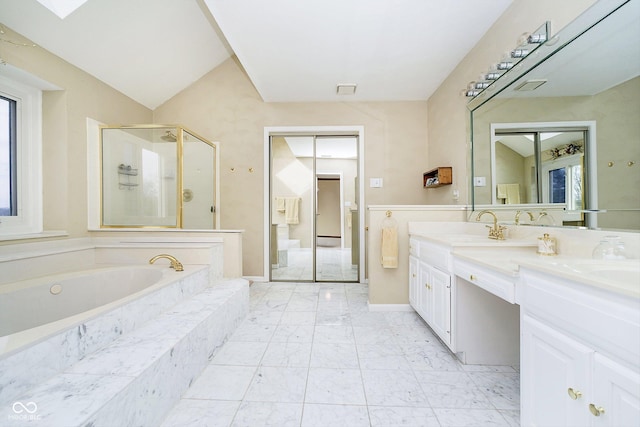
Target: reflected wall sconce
(527,43)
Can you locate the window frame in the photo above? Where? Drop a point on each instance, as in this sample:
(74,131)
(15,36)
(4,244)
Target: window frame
(29,218)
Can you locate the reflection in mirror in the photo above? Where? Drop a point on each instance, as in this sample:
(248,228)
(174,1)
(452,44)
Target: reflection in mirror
(587,91)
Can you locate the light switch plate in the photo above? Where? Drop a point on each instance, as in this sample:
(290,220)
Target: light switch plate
(479,181)
(375,182)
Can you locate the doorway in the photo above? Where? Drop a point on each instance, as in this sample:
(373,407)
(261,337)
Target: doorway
(313,207)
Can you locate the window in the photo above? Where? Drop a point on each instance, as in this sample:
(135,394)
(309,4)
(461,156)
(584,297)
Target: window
(20,158)
(8,188)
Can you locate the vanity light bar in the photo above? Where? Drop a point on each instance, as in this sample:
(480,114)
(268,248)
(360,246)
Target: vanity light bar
(527,43)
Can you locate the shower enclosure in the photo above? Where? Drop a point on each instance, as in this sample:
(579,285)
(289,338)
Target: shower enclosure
(161,176)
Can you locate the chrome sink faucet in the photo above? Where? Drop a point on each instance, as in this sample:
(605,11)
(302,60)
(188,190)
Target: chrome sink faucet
(495,232)
(175,264)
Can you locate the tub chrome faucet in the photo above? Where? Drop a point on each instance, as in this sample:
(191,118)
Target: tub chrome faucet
(175,264)
(495,232)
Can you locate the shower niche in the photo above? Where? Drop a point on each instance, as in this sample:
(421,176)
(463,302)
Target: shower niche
(162,176)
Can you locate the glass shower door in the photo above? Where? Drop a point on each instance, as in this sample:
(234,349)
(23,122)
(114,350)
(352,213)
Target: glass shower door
(292,208)
(198,183)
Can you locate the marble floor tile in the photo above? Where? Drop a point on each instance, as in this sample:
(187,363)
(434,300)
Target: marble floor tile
(304,318)
(374,335)
(335,386)
(240,353)
(393,388)
(452,389)
(381,356)
(249,332)
(319,415)
(221,382)
(469,417)
(394,416)
(320,358)
(257,414)
(287,354)
(330,355)
(512,416)
(268,317)
(335,334)
(502,388)
(201,413)
(293,333)
(272,384)
(329,317)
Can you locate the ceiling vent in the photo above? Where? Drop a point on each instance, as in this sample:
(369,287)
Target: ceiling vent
(530,85)
(346,89)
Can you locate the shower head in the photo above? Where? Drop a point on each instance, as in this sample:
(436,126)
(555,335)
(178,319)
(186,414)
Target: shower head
(169,137)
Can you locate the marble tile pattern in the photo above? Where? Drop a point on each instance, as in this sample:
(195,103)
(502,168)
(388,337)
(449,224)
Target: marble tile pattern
(30,366)
(138,378)
(313,355)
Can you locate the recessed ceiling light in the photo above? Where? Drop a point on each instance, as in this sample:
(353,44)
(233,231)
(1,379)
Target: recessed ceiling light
(346,89)
(62,8)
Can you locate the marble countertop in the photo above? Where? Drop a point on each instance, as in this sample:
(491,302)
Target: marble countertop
(469,242)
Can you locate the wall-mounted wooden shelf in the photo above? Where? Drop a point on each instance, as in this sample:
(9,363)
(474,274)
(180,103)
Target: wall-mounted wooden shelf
(437,177)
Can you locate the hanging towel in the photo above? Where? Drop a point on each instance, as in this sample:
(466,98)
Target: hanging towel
(502,191)
(280,204)
(291,210)
(389,245)
(513,194)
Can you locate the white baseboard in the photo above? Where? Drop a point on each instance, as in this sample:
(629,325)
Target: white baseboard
(389,307)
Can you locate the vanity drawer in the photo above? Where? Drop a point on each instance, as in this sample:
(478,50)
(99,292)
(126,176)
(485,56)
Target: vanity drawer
(498,284)
(436,256)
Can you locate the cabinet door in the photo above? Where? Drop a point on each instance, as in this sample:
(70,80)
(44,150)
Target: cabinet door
(555,376)
(413,282)
(616,394)
(424,293)
(441,294)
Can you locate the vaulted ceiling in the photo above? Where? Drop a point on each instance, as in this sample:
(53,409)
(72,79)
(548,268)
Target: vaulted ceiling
(292,50)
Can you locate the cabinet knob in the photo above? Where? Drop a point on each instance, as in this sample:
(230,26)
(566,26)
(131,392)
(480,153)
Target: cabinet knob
(596,410)
(472,277)
(574,394)
(413,275)
(426,285)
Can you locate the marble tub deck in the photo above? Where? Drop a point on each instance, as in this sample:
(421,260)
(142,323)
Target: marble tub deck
(313,355)
(137,378)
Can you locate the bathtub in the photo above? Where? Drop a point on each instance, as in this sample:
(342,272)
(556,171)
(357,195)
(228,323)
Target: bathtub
(32,303)
(50,323)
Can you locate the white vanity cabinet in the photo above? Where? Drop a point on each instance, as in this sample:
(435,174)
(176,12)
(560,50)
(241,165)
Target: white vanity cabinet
(430,285)
(580,354)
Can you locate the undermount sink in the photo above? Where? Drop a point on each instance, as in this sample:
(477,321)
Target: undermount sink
(627,271)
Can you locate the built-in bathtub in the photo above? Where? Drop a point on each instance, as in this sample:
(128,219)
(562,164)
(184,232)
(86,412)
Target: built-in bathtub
(32,311)
(71,326)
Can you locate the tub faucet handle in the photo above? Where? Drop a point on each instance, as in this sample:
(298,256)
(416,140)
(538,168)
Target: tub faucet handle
(175,264)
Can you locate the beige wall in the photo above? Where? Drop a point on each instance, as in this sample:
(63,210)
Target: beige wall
(64,136)
(447,111)
(224,106)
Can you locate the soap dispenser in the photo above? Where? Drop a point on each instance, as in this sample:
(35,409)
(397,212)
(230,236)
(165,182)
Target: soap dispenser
(547,245)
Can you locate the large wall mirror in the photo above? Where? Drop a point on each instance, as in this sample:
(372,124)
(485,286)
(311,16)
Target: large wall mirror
(562,130)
